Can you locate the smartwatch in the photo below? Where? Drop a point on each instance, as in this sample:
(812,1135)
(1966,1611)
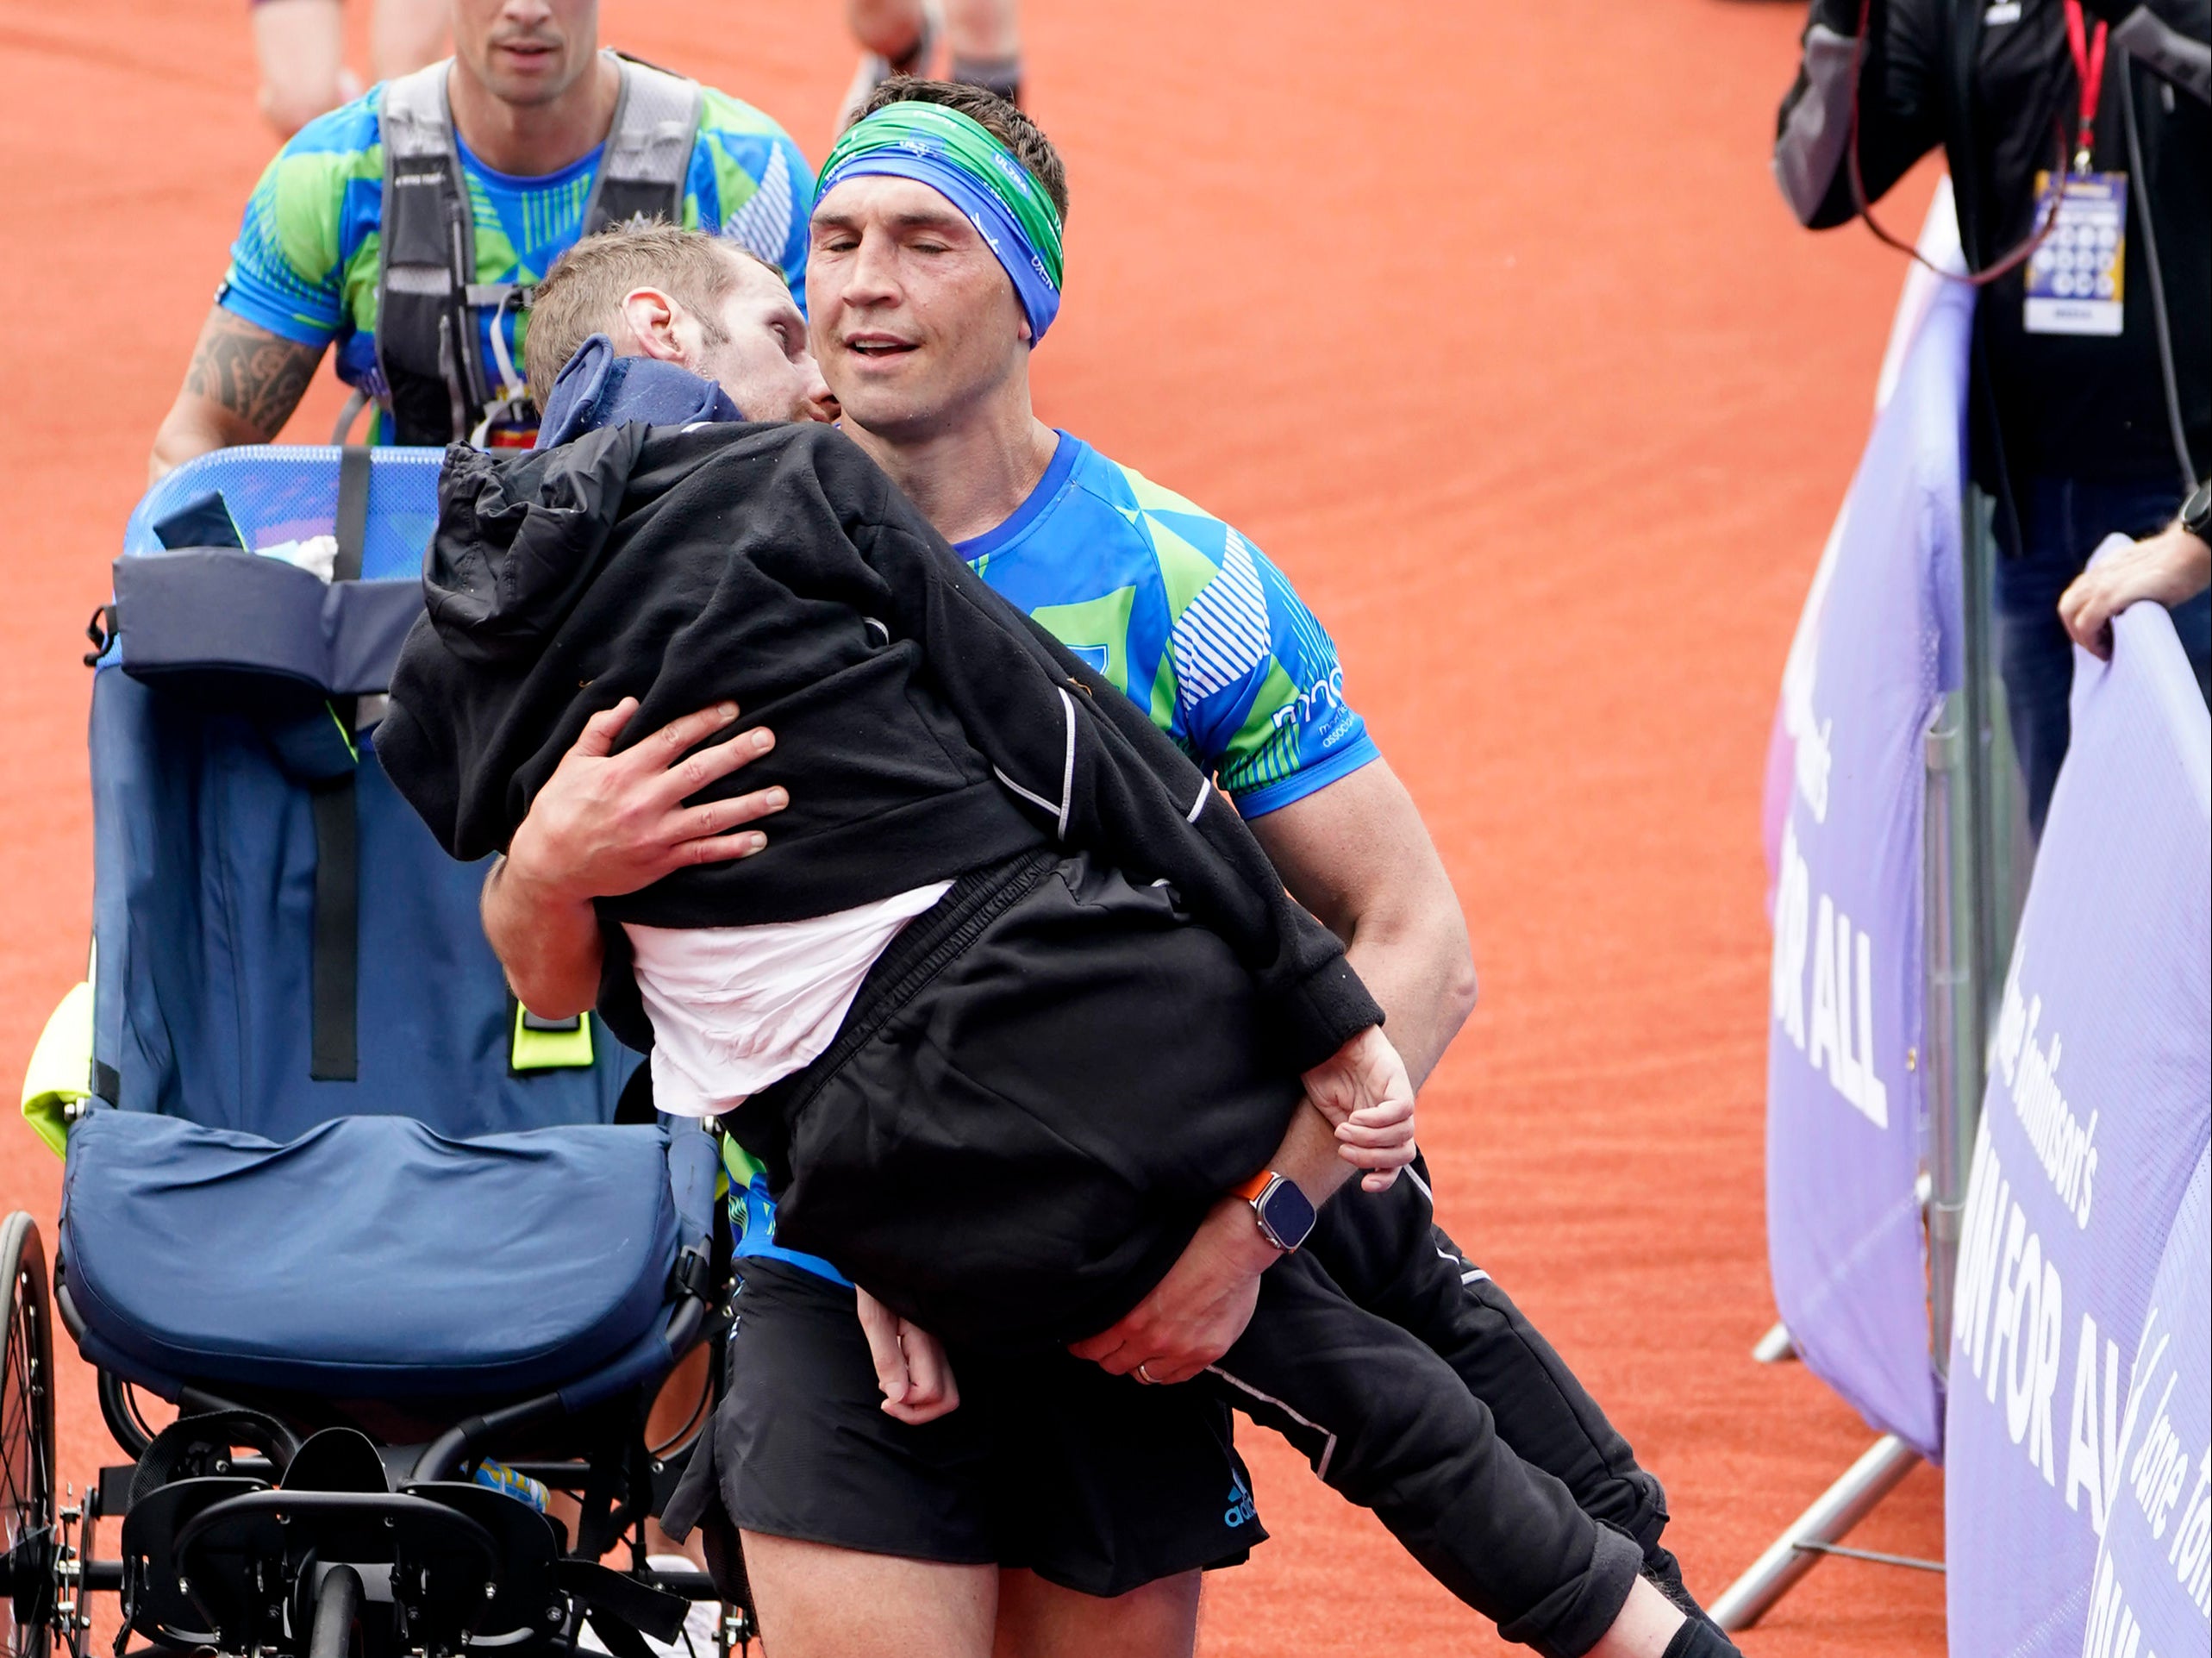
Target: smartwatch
(2196,512)
(1285,1214)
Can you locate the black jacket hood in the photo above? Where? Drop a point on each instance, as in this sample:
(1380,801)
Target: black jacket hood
(520,540)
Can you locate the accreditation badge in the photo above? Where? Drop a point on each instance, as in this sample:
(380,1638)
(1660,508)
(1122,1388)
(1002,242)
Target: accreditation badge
(2074,277)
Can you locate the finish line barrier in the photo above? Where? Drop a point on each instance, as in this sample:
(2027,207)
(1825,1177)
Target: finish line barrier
(1860,1058)
(2093,1127)
(1845,1100)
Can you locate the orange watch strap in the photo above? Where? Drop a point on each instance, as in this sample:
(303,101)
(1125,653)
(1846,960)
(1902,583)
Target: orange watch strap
(1250,1189)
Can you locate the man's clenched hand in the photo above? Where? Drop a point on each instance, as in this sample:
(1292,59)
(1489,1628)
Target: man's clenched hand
(2171,566)
(911,1368)
(1363,1090)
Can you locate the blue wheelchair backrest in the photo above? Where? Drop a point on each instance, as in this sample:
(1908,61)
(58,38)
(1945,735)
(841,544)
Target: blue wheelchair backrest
(205,872)
(287,493)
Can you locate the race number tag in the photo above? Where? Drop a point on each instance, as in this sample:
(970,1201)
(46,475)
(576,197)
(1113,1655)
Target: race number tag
(2074,278)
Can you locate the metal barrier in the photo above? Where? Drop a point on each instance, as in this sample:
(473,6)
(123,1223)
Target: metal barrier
(1974,853)
(1970,831)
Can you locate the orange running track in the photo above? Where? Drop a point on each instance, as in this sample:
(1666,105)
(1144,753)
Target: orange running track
(1488,325)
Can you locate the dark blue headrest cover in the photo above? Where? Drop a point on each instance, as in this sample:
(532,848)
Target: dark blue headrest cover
(599,389)
(203,521)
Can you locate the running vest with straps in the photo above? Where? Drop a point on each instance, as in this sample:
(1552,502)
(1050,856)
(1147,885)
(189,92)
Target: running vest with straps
(429,349)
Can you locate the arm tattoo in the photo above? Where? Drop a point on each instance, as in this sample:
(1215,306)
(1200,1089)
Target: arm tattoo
(255,375)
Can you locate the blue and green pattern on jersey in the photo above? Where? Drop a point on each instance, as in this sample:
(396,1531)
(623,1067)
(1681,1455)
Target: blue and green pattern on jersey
(304,264)
(1188,618)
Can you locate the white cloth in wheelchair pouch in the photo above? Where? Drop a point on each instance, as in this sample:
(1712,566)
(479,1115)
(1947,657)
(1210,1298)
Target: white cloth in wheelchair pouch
(735,1008)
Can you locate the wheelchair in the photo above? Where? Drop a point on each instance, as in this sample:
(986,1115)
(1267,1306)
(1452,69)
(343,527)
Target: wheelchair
(406,1259)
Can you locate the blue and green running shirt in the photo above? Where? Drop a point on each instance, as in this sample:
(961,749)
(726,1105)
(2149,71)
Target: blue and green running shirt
(1188,618)
(1193,623)
(304,264)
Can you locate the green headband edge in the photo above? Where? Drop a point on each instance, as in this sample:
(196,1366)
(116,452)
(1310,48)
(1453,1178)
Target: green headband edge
(1033,207)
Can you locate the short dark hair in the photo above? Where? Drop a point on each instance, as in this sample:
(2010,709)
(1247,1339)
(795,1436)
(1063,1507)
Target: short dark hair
(1004,121)
(582,294)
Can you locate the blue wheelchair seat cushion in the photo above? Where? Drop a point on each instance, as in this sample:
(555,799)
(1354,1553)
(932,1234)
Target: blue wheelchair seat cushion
(369,1258)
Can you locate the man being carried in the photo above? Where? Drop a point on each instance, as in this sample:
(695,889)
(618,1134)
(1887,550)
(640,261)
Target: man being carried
(407,227)
(997,1077)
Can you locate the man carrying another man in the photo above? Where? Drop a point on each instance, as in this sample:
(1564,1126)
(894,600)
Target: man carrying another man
(408,227)
(928,286)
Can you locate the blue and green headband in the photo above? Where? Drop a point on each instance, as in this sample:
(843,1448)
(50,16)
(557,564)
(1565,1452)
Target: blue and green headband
(960,160)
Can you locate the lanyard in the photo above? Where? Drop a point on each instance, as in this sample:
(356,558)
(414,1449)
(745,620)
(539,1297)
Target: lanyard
(2088,69)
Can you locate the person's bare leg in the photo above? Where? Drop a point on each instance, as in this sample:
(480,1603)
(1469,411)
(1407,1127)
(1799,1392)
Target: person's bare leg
(897,37)
(986,40)
(301,46)
(818,1602)
(1037,1619)
(984,29)
(680,1399)
(405,35)
(1645,1626)
(889,28)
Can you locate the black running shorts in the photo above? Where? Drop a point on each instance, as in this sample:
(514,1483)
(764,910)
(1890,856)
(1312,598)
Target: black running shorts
(1092,1481)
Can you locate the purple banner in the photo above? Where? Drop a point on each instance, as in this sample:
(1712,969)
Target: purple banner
(2094,1123)
(2153,1585)
(1844,1112)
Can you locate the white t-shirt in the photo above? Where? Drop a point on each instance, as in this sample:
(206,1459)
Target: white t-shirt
(735,1008)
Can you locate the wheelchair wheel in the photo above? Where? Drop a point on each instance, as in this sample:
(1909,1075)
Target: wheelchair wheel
(337,1631)
(27,1506)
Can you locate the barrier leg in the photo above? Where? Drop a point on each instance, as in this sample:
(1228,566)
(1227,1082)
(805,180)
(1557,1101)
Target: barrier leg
(1954,1002)
(1775,1347)
(1830,1518)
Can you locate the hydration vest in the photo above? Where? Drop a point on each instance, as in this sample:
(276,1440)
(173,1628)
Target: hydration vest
(430,306)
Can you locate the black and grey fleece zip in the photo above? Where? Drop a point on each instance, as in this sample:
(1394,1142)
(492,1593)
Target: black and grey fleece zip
(924,727)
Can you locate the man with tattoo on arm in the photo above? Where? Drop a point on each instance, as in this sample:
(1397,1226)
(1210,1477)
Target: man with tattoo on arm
(528,138)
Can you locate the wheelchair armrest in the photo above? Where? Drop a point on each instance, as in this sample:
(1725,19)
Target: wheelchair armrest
(684,1325)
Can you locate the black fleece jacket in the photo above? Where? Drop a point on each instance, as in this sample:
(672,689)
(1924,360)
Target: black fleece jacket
(924,727)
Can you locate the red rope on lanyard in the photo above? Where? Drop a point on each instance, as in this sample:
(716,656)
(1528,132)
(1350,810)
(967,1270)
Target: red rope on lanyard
(2089,70)
(2048,219)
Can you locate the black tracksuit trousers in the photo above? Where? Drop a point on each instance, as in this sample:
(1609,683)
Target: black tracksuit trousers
(1387,1252)
(1415,1388)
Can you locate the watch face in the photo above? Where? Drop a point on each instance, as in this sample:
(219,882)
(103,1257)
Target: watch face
(2196,511)
(1286,1213)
